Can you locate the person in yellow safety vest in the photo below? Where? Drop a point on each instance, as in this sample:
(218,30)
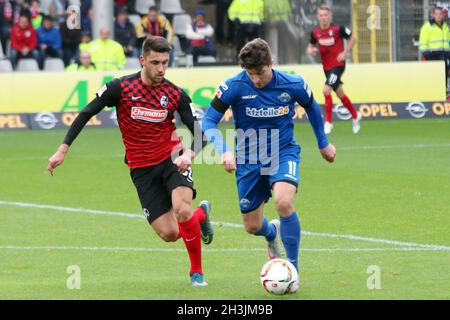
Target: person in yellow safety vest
(247,16)
(85,39)
(279,10)
(84,64)
(434,39)
(106,53)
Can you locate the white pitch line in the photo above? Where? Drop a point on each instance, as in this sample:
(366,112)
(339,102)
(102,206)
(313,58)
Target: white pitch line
(403,146)
(68,209)
(231,225)
(221,250)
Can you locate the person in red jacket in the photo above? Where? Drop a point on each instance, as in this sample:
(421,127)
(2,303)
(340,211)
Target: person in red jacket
(23,41)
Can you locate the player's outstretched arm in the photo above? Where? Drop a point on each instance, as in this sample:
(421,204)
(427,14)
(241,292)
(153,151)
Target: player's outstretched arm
(211,130)
(57,158)
(327,150)
(328,153)
(312,50)
(78,124)
(343,55)
(184,161)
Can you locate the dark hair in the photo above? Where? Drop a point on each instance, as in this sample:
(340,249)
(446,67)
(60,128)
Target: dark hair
(437,8)
(24,14)
(122,11)
(255,54)
(157,44)
(153,8)
(47,17)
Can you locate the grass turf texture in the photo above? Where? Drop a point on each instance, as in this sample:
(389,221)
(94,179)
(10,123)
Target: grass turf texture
(392,181)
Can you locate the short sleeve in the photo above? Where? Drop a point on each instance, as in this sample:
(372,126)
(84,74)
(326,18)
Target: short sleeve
(312,39)
(345,32)
(225,93)
(110,94)
(303,94)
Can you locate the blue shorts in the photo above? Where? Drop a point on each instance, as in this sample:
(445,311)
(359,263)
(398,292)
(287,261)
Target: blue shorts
(255,185)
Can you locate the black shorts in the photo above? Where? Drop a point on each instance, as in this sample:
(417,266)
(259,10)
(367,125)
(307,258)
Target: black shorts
(334,77)
(154,185)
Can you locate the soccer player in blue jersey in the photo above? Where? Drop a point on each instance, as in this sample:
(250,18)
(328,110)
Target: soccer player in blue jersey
(267,156)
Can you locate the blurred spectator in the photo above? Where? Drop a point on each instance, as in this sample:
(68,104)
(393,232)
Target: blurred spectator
(434,39)
(84,63)
(199,35)
(247,15)
(23,41)
(106,53)
(49,41)
(71,39)
(85,40)
(36,17)
(85,6)
(156,25)
(125,34)
(9,15)
(86,22)
(224,26)
(58,10)
(277,11)
(127,5)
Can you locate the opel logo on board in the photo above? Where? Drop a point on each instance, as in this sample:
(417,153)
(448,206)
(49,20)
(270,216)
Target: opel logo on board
(46,120)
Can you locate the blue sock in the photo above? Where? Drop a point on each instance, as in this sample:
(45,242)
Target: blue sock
(290,235)
(267,230)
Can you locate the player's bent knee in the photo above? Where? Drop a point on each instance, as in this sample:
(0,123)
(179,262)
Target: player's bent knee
(327,91)
(169,236)
(284,206)
(183,212)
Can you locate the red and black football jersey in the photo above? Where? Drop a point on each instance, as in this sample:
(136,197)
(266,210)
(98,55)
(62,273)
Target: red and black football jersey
(145,115)
(331,43)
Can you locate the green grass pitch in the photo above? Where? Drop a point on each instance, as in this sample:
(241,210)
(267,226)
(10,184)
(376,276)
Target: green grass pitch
(385,202)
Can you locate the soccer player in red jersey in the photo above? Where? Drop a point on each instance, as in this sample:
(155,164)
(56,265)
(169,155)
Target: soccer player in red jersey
(330,40)
(159,166)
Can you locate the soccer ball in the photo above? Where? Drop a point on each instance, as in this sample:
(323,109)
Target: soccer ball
(279,276)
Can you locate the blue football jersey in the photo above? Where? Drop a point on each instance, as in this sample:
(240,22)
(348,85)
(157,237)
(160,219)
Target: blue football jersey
(264,116)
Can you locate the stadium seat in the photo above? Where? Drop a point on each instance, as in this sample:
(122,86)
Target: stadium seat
(177,50)
(2,55)
(206,59)
(142,6)
(27,65)
(135,19)
(5,66)
(45,6)
(171,6)
(133,63)
(54,64)
(180,21)
(180,57)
